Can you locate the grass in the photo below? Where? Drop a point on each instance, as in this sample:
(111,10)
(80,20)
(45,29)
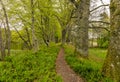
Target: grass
(98,52)
(90,68)
(25,66)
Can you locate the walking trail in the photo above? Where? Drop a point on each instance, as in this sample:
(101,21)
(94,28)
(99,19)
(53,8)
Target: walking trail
(63,69)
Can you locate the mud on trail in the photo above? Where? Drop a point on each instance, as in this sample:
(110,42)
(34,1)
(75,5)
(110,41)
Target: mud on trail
(63,69)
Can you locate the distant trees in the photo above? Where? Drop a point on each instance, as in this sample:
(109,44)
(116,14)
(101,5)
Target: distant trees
(64,13)
(43,22)
(101,28)
(111,66)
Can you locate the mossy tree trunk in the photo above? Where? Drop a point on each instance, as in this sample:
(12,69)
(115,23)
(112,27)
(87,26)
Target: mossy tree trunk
(111,67)
(82,28)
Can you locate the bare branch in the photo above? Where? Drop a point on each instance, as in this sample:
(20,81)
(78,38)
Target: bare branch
(102,2)
(99,22)
(98,7)
(96,27)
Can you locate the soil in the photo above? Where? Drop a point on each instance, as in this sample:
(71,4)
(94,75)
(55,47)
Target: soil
(64,70)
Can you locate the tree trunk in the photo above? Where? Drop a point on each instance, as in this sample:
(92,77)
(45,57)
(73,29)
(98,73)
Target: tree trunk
(28,38)
(111,67)
(34,39)
(63,36)
(82,28)
(68,39)
(8,34)
(64,33)
(2,48)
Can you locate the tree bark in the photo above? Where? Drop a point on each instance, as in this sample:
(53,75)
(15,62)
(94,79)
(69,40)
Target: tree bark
(68,39)
(111,67)
(63,36)
(8,34)
(81,43)
(2,48)
(34,39)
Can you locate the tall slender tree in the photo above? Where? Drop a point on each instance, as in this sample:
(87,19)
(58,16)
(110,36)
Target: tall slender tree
(8,32)
(34,39)
(2,47)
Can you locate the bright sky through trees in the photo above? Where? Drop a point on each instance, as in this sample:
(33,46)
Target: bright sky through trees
(105,2)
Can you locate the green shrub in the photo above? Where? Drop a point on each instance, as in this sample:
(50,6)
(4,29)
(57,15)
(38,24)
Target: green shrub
(103,41)
(87,68)
(30,67)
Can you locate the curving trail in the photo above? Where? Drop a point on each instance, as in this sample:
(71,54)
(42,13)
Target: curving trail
(63,69)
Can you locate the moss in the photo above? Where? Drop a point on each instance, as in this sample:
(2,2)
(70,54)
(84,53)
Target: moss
(112,6)
(117,12)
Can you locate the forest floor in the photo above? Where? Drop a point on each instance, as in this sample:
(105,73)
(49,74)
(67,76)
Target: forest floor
(64,70)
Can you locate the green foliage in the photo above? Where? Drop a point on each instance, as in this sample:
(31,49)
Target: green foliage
(16,41)
(29,67)
(58,30)
(103,41)
(90,68)
(97,53)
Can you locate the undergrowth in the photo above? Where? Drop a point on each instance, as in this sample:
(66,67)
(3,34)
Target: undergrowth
(30,67)
(90,68)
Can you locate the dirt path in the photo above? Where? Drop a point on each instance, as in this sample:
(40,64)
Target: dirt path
(68,75)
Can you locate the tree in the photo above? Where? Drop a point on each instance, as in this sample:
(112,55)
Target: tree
(2,47)
(111,67)
(64,14)
(45,21)
(82,25)
(8,32)
(34,39)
